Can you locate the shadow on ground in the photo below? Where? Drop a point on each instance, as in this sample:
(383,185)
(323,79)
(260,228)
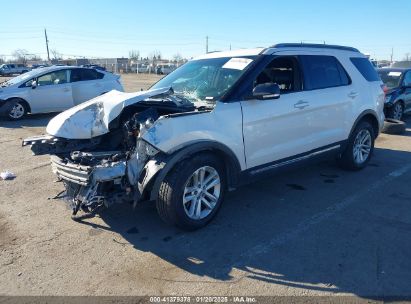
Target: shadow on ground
(319,228)
(31,120)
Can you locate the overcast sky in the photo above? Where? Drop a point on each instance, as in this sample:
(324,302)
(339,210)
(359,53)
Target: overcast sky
(112,28)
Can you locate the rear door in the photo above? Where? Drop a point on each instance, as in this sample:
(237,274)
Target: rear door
(330,94)
(86,84)
(52,93)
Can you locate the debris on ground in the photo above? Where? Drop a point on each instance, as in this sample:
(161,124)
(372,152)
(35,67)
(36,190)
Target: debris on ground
(7,175)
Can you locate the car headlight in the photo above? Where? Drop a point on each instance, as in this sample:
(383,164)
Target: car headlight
(144,148)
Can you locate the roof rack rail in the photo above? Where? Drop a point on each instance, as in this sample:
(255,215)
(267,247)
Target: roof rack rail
(315,45)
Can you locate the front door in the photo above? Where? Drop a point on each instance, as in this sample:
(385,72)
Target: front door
(275,129)
(52,93)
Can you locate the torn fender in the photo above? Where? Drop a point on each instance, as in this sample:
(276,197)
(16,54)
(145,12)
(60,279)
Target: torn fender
(92,118)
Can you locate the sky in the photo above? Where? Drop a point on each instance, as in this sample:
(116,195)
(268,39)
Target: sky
(109,28)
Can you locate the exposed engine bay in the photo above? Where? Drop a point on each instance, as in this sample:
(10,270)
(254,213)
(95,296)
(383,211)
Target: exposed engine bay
(116,166)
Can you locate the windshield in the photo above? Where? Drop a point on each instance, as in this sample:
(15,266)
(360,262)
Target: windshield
(205,79)
(390,78)
(22,78)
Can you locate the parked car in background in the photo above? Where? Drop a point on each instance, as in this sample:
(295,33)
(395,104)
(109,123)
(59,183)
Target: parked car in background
(398,94)
(165,69)
(218,121)
(53,89)
(13,68)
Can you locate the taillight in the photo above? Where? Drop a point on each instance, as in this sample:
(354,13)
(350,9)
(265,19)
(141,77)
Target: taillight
(384,88)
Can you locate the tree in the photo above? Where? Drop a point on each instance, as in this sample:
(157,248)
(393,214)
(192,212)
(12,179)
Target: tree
(20,56)
(177,58)
(2,59)
(134,55)
(154,55)
(407,57)
(56,55)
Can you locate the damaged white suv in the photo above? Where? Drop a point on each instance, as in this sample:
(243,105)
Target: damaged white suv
(213,124)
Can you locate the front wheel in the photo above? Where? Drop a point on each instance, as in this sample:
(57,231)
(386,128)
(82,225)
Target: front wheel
(359,148)
(192,193)
(17,111)
(396,111)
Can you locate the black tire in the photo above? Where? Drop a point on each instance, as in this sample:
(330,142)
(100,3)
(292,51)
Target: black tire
(393,126)
(17,102)
(391,112)
(347,159)
(169,202)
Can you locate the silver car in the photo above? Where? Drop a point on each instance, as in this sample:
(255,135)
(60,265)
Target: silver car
(53,89)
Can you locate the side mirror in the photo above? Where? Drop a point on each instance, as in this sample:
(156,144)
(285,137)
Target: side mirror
(266,91)
(34,84)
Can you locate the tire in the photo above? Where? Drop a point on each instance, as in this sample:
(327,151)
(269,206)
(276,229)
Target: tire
(171,206)
(396,111)
(18,111)
(393,126)
(350,159)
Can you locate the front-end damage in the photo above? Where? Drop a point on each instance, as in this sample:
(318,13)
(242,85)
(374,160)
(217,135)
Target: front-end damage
(101,157)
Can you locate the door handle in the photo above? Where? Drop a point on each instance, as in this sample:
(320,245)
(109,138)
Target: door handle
(353,94)
(301,104)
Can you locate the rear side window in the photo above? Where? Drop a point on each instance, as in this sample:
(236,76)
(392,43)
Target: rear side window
(366,69)
(322,72)
(91,74)
(85,74)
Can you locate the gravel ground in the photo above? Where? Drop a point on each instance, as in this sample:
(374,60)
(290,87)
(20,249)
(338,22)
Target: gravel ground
(312,231)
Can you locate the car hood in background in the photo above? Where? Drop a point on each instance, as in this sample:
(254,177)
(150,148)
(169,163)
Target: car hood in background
(92,118)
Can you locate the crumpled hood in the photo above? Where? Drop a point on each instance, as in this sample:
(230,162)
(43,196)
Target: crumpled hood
(91,118)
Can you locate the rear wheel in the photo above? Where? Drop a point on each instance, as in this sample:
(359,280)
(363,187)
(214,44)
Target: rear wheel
(192,193)
(18,111)
(359,148)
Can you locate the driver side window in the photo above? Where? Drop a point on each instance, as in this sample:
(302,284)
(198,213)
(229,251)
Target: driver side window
(283,71)
(53,78)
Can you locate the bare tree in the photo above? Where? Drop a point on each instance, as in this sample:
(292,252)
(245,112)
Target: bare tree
(134,55)
(20,56)
(2,59)
(56,54)
(154,55)
(407,57)
(177,58)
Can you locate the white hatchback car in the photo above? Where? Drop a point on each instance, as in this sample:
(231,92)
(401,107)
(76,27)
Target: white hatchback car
(53,89)
(215,123)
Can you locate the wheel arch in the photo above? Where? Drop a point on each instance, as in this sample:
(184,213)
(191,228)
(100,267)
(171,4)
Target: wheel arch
(370,116)
(23,101)
(225,154)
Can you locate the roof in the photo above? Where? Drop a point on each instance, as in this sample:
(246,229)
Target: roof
(316,46)
(235,53)
(260,50)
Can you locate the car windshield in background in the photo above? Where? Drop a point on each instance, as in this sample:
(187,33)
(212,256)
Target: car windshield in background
(21,78)
(205,79)
(390,78)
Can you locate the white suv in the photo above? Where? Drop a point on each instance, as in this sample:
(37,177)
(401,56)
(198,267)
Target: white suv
(213,124)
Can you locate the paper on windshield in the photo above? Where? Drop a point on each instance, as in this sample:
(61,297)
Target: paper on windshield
(237,63)
(395,74)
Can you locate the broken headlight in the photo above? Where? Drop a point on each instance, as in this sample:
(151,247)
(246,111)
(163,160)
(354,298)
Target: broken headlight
(144,148)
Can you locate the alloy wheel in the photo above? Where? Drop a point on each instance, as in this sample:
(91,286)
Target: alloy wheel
(201,193)
(17,111)
(362,146)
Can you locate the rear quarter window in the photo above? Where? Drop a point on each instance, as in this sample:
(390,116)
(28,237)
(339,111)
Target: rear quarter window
(366,69)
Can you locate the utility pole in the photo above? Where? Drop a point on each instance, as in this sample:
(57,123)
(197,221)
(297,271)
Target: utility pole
(230,46)
(206,44)
(392,54)
(47,45)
